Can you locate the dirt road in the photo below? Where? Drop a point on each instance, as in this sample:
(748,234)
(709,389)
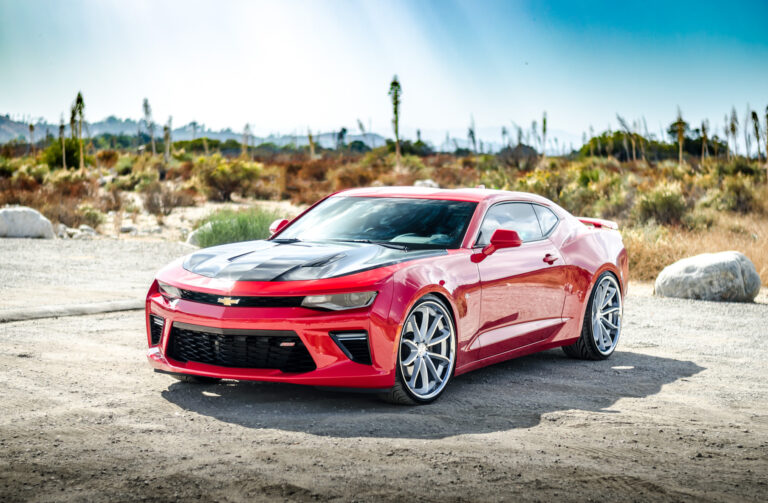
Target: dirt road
(680,412)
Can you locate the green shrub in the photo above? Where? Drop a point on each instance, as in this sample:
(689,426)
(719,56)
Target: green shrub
(222,178)
(738,194)
(6,168)
(664,204)
(230,226)
(52,154)
(90,215)
(124,165)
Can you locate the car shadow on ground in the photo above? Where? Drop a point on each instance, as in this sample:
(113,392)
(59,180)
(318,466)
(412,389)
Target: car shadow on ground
(513,394)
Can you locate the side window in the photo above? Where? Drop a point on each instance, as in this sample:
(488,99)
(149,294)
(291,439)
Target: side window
(547,218)
(518,217)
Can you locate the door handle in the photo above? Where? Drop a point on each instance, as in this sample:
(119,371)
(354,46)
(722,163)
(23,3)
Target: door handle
(549,258)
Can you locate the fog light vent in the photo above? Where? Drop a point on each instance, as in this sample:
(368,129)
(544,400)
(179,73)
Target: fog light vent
(156,324)
(354,345)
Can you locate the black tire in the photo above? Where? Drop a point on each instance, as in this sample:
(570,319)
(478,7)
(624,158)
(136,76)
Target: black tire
(195,379)
(400,393)
(585,348)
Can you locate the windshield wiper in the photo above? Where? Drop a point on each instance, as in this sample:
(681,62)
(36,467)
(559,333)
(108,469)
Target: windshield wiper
(386,244)
(285,240)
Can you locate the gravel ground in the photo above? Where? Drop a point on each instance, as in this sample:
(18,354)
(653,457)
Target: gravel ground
(679,413)
(62,271)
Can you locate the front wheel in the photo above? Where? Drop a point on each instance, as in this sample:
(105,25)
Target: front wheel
(426,354)
(602,322)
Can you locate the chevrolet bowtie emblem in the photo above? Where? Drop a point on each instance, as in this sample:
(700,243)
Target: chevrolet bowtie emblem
(228,301)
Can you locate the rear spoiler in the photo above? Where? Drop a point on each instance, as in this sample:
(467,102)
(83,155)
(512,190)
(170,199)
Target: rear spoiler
(599,223)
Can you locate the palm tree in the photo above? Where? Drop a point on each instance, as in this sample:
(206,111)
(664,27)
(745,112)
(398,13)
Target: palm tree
(747,133)
(544,136)
(733,128)
(704,132)
(167,139)
(627,134)
(63,148)
(591,142)
(73,122)
(756,126)
(311,140)
(148,122)
(246,139)
(679,126)
(504,136)
(79,108)
(471,134)
(32,137)
(395,92)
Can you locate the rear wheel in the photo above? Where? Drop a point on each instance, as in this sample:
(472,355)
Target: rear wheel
(426,355)
(602,321)
(195,379)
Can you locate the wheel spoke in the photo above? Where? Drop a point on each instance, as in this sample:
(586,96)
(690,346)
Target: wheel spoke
(432,370)
(612,310)
(433,328)
(606,322)
(415,374)
(610,292)
(439,338)
(411,357)
(440,358)
(424,376)
(606,338)
(424,324)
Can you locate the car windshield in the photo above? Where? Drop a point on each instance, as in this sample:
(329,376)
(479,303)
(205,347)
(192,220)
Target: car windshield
(394,221)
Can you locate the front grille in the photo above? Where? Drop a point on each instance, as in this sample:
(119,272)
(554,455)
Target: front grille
(156,324)
(211,298)
(253,349)
(354,345)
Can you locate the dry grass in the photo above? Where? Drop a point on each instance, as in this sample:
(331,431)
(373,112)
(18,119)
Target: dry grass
(651,248)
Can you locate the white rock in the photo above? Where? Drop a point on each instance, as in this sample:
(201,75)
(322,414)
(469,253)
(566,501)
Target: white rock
(724,276)
(426,183)
(86,229)
(125,229)
(23,222)
(192,239)
(61,231)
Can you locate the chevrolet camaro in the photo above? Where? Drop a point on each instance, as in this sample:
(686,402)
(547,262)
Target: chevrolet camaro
(394,290)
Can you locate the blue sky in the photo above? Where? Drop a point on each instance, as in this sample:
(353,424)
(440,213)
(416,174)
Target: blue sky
(285,66)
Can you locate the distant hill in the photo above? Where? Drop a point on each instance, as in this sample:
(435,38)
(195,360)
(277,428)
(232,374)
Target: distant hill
(17,130)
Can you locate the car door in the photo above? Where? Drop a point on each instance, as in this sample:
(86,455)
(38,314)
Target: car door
(522,287)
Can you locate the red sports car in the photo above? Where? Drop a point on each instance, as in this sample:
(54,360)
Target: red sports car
(392,289)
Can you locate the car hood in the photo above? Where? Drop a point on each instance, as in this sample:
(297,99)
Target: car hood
(273,261)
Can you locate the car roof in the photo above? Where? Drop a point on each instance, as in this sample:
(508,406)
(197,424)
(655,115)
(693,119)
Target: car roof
(463,194)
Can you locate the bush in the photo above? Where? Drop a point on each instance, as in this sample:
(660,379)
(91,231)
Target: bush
(222,178)
(124,165)
(738,194)
(229,226)
(90,215)
(107,158)
(664,204)
(52,154)
(160,200)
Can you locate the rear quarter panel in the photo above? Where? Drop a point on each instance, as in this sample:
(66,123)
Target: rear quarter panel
(588,252)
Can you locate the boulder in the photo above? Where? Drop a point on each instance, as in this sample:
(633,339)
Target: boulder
(725,276)
(87,229)
(23,222)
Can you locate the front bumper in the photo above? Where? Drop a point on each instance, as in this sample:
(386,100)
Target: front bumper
(334,367)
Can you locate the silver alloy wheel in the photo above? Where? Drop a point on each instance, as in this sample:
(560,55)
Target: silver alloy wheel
(606,315)
(427,350)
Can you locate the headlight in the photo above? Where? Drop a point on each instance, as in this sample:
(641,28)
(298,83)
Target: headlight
(169,291)
(339,301)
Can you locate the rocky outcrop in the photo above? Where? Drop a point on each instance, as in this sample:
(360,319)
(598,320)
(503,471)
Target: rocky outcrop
(724,276)
(23,222)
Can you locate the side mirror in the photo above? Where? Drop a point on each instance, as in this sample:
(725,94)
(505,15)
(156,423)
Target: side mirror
(277,226)
(501,238)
